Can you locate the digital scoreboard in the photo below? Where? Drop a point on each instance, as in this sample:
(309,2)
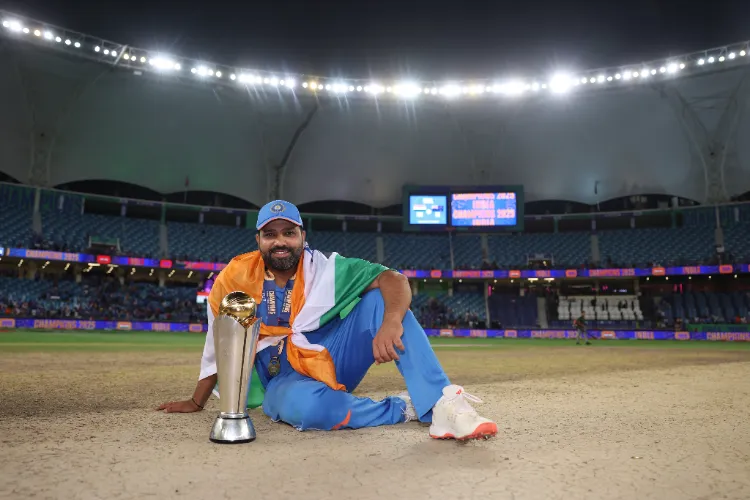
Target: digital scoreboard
(463,208)
(484,209)
(428,209)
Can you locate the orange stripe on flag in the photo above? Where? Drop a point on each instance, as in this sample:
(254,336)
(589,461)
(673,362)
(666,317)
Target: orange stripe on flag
(314,364)
(246,273)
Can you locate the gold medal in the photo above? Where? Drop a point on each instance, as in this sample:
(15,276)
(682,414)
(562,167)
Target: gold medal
(274,367)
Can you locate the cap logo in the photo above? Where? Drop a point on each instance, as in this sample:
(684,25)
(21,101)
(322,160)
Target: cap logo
(277,208)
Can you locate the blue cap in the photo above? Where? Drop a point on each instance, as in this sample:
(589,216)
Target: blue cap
(278,209)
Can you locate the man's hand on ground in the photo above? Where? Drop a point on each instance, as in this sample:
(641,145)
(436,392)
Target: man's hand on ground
(179,407)
(386,341)
(201,394)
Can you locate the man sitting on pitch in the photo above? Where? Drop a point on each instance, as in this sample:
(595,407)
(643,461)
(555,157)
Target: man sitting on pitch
(324,321)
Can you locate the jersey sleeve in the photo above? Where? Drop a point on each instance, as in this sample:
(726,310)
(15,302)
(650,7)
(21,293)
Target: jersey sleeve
(208,361)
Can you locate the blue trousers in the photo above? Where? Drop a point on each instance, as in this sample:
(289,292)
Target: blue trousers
(306,403)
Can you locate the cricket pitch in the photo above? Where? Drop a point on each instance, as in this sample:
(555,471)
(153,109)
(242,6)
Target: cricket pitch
(617,420)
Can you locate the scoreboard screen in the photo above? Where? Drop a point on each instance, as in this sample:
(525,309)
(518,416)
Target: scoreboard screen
(428,209)
(478,209)
(483,209)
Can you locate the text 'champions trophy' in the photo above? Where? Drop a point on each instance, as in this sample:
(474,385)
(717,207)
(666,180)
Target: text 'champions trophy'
(236,331)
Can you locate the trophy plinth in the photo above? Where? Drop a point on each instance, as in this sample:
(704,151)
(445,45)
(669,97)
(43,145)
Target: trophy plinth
(236,331)
(232,430)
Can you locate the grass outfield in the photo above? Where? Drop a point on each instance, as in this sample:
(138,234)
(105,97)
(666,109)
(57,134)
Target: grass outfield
(115,341)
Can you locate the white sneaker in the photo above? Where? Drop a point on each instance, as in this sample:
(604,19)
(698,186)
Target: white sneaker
(410,413)
(454,418)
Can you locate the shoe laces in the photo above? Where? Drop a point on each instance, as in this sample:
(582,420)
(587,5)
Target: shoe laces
(409,416)
(410,413)
(461,398)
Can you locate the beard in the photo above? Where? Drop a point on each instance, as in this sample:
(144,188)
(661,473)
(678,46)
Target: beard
(282,263)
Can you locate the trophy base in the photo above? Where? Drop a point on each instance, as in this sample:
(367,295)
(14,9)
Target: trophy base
(232,429)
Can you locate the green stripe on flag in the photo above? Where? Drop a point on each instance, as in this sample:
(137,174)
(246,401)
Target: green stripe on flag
(352,277)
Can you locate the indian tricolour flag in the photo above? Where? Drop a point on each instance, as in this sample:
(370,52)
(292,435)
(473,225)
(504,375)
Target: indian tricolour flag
(333,286)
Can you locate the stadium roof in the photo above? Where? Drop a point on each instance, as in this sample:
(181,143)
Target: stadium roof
(100,110)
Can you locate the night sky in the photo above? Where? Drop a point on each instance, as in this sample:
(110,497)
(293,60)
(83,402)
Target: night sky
(418,39)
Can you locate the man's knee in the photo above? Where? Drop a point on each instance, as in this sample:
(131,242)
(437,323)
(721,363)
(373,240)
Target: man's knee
(373,300)
(308,405)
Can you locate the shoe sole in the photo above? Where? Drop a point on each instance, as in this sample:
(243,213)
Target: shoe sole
(484,431)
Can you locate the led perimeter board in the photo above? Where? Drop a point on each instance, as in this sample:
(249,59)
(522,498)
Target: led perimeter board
(481,209)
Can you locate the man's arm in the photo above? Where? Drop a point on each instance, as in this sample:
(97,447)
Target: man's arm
(207,378)
(197,402)
(396,294)
(397,298)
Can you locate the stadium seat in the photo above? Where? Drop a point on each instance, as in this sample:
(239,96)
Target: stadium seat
(566,249)
(137,237)
(15,226)
(16,210)
(512,310)
(467,251)
(208,243)
(348,244)
(646,247)
(737,241)
(417,251)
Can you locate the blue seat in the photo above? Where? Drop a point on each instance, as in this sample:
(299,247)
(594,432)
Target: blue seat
(208,243)
(138,237)
(15,226)
(647,246)
(567,249)
(348,244)
(417,251)
(737,241)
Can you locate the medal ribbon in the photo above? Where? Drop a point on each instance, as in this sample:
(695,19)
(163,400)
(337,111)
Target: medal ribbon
(277,314)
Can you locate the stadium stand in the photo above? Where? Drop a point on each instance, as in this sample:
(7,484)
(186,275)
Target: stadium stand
(98,298)
(136,237)
(360,245)
(702,307)
(737,241)
(67,224)
(567,249)
(16,225)
(409,251)
(513,310)
(663,246)
(208,243)
(16,211)
(211,243)
(462,310)
(467,252)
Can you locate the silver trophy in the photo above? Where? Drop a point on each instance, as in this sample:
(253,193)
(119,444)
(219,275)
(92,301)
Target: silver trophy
(236,332)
